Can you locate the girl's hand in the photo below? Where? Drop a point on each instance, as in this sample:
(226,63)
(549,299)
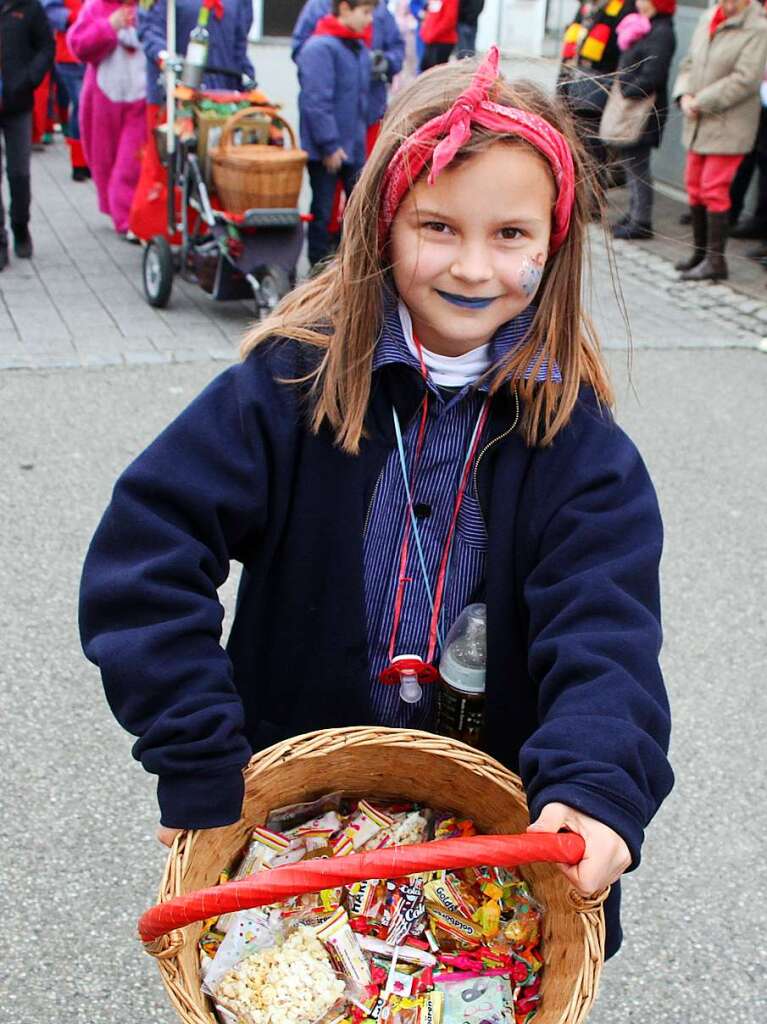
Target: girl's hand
(121,18)
(167,835)
(606,856)
(689,106)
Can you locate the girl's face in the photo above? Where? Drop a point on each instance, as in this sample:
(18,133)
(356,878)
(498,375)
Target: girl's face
(469,251)
(646,8)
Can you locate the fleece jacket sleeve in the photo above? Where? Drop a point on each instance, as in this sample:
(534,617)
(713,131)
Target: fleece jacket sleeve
(150,617)
(242,62)
(595,635)
(42,45)
(392,44)
(317,74)
(151,26)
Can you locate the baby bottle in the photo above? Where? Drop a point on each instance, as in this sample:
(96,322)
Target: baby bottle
(461,693)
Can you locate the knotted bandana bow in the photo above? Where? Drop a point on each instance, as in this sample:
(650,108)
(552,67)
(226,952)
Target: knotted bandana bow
(453,130)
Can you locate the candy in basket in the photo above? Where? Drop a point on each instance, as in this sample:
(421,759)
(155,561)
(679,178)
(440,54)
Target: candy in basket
(396,909)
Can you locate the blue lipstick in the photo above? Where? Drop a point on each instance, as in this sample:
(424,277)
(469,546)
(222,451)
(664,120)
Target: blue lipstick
(466,303)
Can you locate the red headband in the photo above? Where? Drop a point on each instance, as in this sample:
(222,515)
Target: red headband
(453,129)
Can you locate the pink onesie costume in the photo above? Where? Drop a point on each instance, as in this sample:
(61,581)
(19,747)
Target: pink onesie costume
(112,105)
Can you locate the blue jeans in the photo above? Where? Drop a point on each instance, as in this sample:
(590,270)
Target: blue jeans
(72,77)
(467,40)
(323,193)
(16,140)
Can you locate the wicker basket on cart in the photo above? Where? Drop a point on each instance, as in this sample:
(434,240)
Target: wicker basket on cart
(253,175)
(209,126)
(385,763)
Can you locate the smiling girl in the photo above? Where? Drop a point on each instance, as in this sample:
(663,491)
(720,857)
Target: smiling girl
(423,425)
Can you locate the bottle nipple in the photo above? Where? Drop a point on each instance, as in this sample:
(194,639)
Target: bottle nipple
(409,688)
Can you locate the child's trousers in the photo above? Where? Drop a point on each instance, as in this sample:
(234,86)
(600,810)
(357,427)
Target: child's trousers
(323,192)
(636,161)
(16,132)
(708,176)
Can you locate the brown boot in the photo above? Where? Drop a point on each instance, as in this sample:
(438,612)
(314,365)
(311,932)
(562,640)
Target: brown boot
(699,237)
(714,266)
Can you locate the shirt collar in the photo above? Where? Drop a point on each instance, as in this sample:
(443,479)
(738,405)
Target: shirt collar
(392,346)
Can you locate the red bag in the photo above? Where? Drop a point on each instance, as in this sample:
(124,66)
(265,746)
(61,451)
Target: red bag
(441,22)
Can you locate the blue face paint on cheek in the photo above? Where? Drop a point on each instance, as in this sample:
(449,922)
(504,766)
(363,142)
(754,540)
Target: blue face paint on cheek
(530,274)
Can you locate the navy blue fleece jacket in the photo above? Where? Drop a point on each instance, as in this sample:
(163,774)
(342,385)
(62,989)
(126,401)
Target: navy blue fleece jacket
(575,697)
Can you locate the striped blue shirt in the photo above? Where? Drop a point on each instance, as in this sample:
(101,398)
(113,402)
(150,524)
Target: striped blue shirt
(449,427)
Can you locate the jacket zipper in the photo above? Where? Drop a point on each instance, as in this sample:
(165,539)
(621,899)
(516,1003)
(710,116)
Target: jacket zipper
(493,441)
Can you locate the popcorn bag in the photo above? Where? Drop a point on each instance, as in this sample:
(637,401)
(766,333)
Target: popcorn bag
(376,877)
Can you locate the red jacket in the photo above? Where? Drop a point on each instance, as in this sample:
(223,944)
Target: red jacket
(63,54)
(441,22)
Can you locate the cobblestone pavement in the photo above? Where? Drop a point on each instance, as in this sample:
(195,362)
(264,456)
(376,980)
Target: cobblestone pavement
(79,302)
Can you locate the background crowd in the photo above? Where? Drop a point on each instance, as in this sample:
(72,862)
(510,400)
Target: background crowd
(96,68)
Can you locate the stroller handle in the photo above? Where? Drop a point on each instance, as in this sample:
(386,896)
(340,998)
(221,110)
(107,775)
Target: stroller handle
(281,883)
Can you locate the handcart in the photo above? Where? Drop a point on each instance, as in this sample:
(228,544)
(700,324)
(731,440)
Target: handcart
(231,254)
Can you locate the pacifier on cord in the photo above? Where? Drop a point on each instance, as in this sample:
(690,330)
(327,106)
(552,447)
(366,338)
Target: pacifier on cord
(412,673)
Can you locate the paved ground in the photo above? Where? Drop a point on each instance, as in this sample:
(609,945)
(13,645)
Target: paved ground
(80,301)
(80,862)
(79,859)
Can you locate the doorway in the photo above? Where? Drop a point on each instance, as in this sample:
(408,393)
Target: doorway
(279,16)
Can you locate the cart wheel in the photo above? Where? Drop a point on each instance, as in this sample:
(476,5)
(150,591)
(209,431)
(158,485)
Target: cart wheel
(274,283)
(158,271)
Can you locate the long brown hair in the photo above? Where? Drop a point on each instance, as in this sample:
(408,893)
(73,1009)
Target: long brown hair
(341,309)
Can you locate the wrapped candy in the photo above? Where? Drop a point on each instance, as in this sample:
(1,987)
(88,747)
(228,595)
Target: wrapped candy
(282,819)
(476,999)
(338,938)
(452,930)
(524,928)
(447,891)
(404,910)
(365,823)
(407,954)
(442,947)
(488,917)
(425,1009)
(450,827)
(364,899)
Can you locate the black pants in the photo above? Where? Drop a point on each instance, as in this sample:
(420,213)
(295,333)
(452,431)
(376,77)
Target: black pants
(16,132)
(756,160)
(435,53)
(323,193)
(636,162)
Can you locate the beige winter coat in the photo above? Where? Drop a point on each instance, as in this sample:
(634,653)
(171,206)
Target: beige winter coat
(724,75)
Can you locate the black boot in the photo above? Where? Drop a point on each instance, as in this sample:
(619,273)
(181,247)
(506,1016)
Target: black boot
(3,249)
(699,236)
(22,241)
(19,186)
(714,266)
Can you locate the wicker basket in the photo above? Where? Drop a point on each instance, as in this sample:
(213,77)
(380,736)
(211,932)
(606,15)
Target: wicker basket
(386,763)
(255,176)
(210,126)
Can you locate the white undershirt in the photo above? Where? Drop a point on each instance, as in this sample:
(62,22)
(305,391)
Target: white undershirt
(447,371)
